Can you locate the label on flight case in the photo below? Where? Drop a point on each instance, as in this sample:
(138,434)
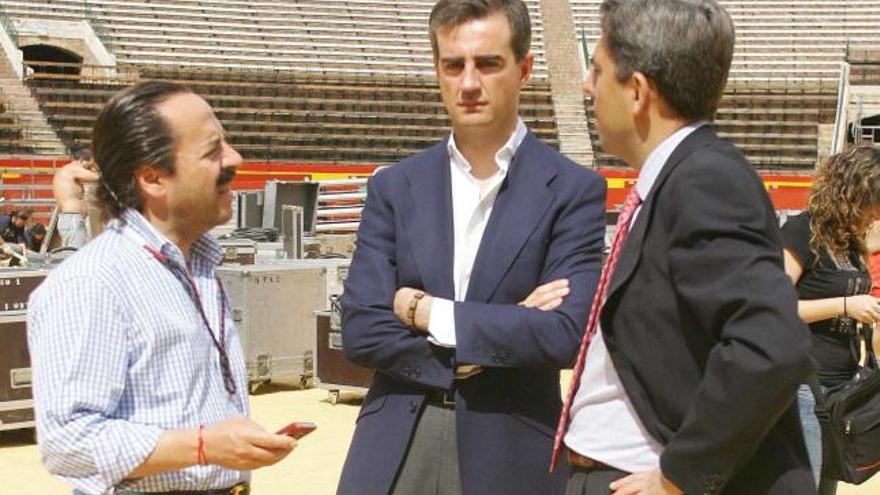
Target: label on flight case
(21,377)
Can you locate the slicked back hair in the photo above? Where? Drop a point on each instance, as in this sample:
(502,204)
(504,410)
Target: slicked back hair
(129,133)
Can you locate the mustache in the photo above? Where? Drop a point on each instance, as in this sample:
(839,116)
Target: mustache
(226,176)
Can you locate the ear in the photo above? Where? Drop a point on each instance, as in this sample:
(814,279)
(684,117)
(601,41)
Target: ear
(525,68)
(150,182)
(642,92)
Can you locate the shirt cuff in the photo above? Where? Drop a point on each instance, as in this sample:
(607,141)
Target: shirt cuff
(441,323)
(125,446)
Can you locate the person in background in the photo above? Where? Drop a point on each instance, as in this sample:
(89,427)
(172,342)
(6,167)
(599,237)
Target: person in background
(69,192)
(139,381)
(14,229)
(35,237)
(13,238)
(826,257)
(872,244)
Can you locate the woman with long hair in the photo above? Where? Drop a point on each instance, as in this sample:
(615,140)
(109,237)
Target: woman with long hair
(826,257)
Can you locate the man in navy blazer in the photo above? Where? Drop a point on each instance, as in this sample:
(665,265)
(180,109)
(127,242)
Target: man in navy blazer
(476,263)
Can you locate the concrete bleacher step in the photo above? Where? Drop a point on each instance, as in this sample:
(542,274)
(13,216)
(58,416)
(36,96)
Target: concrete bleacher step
(306,35)
(37,134)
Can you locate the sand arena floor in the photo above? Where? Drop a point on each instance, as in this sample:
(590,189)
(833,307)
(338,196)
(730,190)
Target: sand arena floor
(312,469)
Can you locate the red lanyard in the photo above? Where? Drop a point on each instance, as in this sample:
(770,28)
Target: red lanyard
(189,284)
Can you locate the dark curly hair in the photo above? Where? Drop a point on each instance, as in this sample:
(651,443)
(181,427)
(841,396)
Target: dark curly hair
(847,185)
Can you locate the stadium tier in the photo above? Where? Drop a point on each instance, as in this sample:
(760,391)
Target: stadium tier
(350,82)
(864,65)
(11,130)
(785,39)
(775,123)
(287,117)
(335,36)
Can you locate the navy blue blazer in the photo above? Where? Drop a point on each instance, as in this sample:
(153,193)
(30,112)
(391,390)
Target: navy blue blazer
(548,222)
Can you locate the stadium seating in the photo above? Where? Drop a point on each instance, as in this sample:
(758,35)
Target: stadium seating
(329,81)
(282,116)
(11,131)
(784,79)
(351,81)
(327,36)
(780,39)
(864,65)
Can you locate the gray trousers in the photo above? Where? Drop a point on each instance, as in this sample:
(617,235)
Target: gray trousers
(592,481)
(431,463)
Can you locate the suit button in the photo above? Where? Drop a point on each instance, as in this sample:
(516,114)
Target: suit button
(417,373)
(413,406)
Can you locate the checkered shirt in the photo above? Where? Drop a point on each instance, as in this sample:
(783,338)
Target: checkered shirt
(120,354)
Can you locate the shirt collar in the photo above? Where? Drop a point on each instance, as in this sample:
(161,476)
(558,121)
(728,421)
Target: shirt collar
(657,159)
(205,247)
(503,156)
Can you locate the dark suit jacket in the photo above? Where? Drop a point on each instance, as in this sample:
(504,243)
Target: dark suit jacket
(548,222)
(701,324)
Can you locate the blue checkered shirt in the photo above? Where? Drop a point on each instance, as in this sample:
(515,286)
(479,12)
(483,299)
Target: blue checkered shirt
(120,353)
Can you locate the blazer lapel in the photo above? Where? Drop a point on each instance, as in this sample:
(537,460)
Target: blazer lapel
(427,220)
(629,257)
(521,202)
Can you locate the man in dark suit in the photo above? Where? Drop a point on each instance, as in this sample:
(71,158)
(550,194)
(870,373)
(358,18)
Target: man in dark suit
(689,383)
(470,286)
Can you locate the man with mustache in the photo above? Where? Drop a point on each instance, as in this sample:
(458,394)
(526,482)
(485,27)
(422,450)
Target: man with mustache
(469,290)
(139,378)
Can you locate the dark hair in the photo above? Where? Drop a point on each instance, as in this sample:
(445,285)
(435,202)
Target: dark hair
(130,133)
(684,46)
(455,12)
(22,214)
(38,229)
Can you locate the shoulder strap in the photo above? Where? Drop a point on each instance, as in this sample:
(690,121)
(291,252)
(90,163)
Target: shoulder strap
(823,414)
(870,354)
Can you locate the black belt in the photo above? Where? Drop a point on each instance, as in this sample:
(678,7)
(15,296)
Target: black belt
(583,463)
(239,489)
(441,398)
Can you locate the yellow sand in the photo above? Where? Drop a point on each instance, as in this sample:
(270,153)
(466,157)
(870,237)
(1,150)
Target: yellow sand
(312,469)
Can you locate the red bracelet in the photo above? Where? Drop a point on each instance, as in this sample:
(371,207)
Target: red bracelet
(202,458)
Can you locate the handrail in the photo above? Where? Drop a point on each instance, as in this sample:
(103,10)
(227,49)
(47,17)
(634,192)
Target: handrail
(13,34)
(8,25)
(840,120)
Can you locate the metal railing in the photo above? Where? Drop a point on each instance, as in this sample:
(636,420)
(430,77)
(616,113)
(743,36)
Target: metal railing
(866,133)
(96,24)
(8,25)
(840,118)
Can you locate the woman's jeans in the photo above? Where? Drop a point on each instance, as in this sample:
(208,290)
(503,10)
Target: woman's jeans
(813,438)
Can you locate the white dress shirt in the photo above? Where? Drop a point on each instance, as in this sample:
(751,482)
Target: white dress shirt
(604,425)
(472,203)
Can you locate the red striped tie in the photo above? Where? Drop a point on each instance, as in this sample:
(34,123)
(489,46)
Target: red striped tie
(629,208)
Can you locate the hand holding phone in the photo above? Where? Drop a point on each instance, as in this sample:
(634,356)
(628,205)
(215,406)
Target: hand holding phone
(297,429)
